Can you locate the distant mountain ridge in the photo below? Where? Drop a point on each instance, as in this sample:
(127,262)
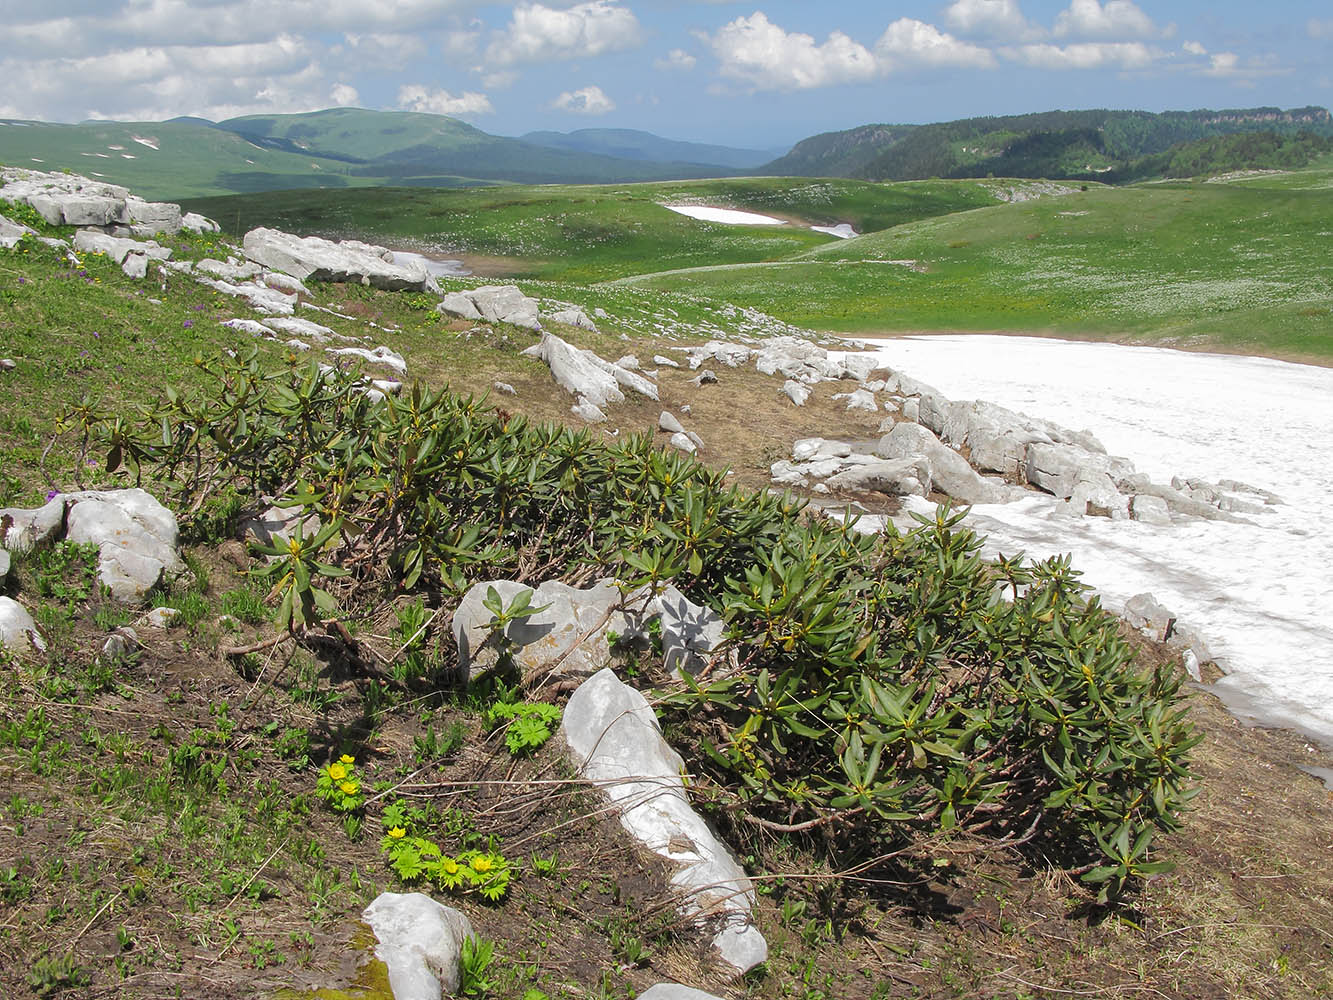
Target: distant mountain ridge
(632,144)
(1055,144)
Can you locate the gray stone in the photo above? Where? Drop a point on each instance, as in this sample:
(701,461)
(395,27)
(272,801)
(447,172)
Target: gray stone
(583,374)
(900,477)
(668,422)
(1057,468)
(615,742)
(230,270)
(1149,510)
(122,642)
(197,223)
(1179,503)
(691,633)
(279,525)
(90,241)
(4,564)
(261,297)
(574,317)
(18,632)
(911,409)
(460,305)
(506,388)
(786,474)
(682,442)
(22,530)
(629,362)
(588,411)
(11,232)
(731,355)
(152,217)
(314,332)
(861,399)
(795,391)
(494,304)
(674,991)
(420,943)
(949,471)
(665,362)
(8,364)
(571,628)
(376,356)
(135,266)
(705,377)
(313,258)
(251,326)
(1144,613)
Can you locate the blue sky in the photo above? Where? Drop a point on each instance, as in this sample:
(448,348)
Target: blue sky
(761,75)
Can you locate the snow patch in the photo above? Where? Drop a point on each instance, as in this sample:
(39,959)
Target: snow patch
(842,230)
(145,141)
(1259,592)
(729,216)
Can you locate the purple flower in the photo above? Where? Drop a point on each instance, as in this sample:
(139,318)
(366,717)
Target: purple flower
(189,323)
(23,281)
(83,274)
(198,307)
(96,335)
(51,495)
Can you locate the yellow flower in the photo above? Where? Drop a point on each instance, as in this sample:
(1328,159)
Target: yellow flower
(345,759)
(349,787)
(397,833)
(481,864)
(337,772)
(450,866)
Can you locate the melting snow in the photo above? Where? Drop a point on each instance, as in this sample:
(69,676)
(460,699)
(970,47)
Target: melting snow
(727,215)
(842,230)
(1258,593)
(150,143)
(439,268)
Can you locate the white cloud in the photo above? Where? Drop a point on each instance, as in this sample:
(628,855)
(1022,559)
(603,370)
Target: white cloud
(344,95)
(416,97)
(912,42)
(677,59)
(1320,28)
(763,55)
(1194,48)
(990,19)
(537,33)
(584,101)
(1085,55)
(380,49)
(1117,19)
(1223,64)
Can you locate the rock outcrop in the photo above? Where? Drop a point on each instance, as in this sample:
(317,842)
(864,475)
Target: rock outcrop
(493,304)
(420,943)
(616,743)
(586,376)
(312,258)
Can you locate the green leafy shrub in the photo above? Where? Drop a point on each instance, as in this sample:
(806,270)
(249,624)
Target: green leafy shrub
(890,687)
(528,725)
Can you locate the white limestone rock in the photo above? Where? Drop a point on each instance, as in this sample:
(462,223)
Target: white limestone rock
(251,326)
(11,232)
(795,391)
(18,632)
(420,942)
(665,362)
(506,388)
(135,266)
(668,422)
(136,538)
(898,477)
(574,317)
(494,304)
(277,526)
(310,330)
(197,223)
(588,411)
(91,241)
(312,258)
(376,356)
(674,991)
(582,373)
(682,442)
(949,471)
(615,742)
(572,624)
(5,564)
(22,530)
(230,270)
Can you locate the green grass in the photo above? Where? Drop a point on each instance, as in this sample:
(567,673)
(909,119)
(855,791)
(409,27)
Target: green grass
(1236,266)
(593,233)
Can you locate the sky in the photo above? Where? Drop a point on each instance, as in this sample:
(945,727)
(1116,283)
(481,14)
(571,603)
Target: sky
(741,74)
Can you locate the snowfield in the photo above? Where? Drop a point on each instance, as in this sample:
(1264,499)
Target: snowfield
(729,216)
(1261,594)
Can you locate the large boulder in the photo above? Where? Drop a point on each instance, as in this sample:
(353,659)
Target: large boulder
(420,943)
(312,258)
(896,477)
(11,232)
(615,742)
(584,375)
(72,200)
(494,304)
(691,633)
(567,635)
(949,471)
(91,241)
(135,535)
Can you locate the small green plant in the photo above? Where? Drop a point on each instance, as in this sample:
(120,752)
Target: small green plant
(416,858)
(66,571)
(244,604)
(529,723)
(474,960)
(51,975)
(339,786)
(432,745)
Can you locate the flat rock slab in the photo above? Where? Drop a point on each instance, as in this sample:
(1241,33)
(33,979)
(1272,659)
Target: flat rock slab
(674,991)
(586,376)
(312,258)
(420,943)
(493,304)
(90,241)
(616,742)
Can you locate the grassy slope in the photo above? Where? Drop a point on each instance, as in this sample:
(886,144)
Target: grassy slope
(191,161)
(1238,266)
(154,877)
(588,233)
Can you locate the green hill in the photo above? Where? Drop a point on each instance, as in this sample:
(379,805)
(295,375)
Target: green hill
(1054,144)
(342,147)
